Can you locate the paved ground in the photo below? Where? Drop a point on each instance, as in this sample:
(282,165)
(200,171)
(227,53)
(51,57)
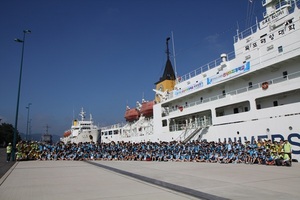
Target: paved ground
(124,180)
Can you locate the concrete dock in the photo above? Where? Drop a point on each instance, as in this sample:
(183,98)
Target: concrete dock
(89,180)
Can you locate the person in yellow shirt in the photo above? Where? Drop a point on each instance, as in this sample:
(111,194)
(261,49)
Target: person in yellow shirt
(280,146)
(287,149)
(286,160)
(276,146)
(8,152)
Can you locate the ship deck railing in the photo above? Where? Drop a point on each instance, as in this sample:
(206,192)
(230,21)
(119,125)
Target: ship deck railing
(249,31)
(279,6)
(202,123)
(239,91)
(190,130)
(114,126)
(122,124)
(230,56)
(204,68)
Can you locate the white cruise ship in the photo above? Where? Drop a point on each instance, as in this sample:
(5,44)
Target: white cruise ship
(250,94)
(82,131)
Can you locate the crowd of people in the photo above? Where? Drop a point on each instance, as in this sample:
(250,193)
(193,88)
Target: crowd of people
(261,152)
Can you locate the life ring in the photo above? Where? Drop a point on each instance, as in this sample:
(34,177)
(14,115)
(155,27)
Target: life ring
(180,108)
(265,85)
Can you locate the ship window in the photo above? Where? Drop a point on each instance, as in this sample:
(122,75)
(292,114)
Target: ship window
(258,106)
(116,132)
(286,98)
(246,109)
(285,73)
(235,110)
(164,123)
(220,113)
(109,132)
(280,49)
(250,84)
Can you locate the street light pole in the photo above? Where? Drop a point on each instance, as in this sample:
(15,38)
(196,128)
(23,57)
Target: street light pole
(18,98)
(27,128)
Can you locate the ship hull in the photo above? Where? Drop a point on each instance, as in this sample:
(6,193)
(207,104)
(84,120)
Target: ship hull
(82,131)
(250,94)
(84,136)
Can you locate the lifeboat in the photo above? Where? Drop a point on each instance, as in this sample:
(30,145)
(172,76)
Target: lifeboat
(147,109)
(132,114)
(67,133)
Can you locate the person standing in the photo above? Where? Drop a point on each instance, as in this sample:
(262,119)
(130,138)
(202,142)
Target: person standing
(8,152)
(287,148)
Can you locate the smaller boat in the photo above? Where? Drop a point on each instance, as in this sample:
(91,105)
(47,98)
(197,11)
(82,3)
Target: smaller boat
(67,133)
(132,114)
(147,108)
(81,131)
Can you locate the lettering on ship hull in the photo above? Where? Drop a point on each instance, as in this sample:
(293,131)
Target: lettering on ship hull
(293,139)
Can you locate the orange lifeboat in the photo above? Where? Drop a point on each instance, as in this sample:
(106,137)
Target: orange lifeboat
(67,133)
(147,109)
(132,114)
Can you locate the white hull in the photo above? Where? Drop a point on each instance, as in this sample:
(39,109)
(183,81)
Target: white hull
(85,136)
(82,131)
(250,94)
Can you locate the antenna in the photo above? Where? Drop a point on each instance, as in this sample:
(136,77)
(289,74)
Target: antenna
(256,21)
(174,55)
(167,51)
(237,30)
(47,128)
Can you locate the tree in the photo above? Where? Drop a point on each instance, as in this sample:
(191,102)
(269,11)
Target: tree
(7,134)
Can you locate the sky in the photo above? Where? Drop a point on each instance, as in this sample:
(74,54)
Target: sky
(102,55)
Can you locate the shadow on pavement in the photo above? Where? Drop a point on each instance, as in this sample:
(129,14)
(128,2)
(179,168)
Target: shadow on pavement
(4,166)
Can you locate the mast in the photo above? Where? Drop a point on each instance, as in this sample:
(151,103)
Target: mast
(174,55)
(82,114)
(167,51)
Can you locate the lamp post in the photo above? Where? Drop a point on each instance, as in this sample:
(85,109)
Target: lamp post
(27,128)
(18,98)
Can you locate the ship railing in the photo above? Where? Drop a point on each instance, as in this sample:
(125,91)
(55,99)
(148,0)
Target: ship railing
(241,35)
(239,91)
(192,135)
(191,129)
(119,125)
(281,5)
(204,68)
(201,122)
(249,31)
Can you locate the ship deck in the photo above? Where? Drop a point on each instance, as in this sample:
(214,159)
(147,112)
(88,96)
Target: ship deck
(88,180)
